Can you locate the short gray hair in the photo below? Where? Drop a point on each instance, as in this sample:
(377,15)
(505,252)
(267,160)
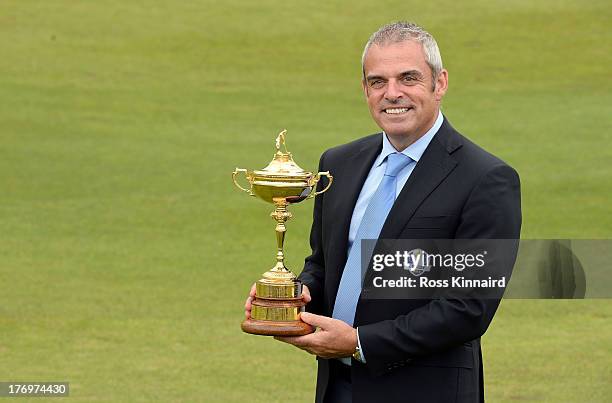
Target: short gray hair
(406,31)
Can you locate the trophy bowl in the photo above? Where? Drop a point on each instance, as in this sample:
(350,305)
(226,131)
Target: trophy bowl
(269,188)
(278,300)
(282,181)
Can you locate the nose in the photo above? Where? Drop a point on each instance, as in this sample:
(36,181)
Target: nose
(393,91)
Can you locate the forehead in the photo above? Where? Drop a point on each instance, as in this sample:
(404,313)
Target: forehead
(393,58)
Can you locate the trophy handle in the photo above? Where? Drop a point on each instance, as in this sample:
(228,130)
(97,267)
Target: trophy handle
(236,171)
(316,179)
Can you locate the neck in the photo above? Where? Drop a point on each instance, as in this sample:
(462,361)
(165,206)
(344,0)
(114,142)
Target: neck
(402,141)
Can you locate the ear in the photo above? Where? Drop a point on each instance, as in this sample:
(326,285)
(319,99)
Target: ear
(441,85)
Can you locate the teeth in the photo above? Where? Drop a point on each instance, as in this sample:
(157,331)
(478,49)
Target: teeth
(396,110)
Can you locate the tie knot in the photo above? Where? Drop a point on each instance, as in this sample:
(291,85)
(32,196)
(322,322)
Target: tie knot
(396,162)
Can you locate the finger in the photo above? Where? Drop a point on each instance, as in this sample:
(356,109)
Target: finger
(306,294)
(298,341)
(317,320)
(248,303)
(247,307)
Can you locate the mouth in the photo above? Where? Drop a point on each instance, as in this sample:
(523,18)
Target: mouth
(397,111)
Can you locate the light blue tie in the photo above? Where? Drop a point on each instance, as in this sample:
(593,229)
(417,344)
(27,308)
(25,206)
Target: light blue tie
(370,227)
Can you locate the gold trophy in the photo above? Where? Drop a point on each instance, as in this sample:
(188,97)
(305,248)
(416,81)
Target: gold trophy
(278,301)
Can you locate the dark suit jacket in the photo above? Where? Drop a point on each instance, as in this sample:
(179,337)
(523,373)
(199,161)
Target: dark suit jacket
(416,350)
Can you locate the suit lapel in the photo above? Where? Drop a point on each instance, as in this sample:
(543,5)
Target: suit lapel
(435,165)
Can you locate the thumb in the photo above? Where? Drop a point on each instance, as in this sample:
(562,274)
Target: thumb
(316,320)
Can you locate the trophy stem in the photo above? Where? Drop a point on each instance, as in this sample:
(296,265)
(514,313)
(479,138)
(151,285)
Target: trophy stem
(281,215)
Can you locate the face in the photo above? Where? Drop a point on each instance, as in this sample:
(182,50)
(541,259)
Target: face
(400,91)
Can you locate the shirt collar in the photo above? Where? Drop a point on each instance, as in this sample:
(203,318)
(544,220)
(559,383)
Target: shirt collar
(414,150)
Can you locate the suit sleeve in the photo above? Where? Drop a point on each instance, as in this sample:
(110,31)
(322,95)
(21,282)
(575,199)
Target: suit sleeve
(313,274)
(492,211)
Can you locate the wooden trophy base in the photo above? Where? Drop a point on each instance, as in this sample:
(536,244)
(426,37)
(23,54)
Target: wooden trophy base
(270,328)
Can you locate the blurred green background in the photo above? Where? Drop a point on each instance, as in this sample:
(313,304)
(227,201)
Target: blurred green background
(125,251)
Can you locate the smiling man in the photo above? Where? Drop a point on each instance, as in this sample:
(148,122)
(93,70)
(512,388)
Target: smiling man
(418,179)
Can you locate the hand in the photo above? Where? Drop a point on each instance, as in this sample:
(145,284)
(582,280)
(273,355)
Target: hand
(249,300)
(333,339)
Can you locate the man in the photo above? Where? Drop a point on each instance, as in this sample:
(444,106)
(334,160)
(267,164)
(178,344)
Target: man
(418,179)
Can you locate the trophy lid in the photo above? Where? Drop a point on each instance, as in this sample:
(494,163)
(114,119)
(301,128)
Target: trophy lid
(282,165)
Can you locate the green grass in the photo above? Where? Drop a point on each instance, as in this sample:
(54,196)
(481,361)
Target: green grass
(125,251)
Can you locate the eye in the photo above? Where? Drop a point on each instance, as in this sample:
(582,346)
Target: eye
(377,84)
(408,79)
